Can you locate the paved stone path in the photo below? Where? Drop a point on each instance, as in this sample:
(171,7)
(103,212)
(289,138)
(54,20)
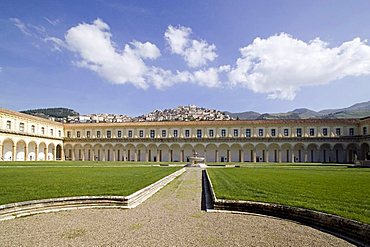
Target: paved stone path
(172,217)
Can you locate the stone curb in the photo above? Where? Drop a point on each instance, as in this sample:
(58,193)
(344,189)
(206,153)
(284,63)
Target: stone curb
(20,209)
(350,230)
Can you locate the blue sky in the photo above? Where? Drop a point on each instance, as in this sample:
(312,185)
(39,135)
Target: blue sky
(132,57)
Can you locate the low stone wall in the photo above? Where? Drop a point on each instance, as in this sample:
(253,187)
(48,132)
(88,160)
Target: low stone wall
(19,209)
(350,230)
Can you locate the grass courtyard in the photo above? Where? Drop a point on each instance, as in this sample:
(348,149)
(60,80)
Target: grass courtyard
(333,189)
(25,182)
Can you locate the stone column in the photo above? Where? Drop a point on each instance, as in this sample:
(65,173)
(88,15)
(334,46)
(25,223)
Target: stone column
(181,155)
(46,153)
(267,155)
(93,154)
(62,157)
(217,157)
(124,155)
(146,155)
(279,155)
(73,154)
(292,154)
(241,155)
(254,156)
(158,155)
(114,155)
(36,153)
(25,153)
(14,153)
(103,154)
(54,152)
(1,152)
(228,156)
(83,154)
(170,154)
(305,156)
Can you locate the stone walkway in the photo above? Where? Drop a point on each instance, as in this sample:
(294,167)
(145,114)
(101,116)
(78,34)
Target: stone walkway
(172,217)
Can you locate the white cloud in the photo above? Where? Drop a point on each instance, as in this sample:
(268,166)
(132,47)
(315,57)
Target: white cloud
(53,22)
(102,57)
(280,65)
(21,26)
(196,53)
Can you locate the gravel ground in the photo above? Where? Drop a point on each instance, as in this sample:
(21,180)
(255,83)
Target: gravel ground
(172,217)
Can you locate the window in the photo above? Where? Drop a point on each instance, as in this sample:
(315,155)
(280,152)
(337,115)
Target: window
(351,131)
(337,131)
(260,132)
(32,128)
(119,134)
(286,132)
(223,132)
(324,131)
(211,133)
(109,134)
(78,134)
(68,134)
(51,132)
(59,133)
(299,132)
(164,133)
(43,130)
(8,125)
(312,131)
(88,134)
(364,131)
(236,132)
(21,127)
(248,133)
(130,133)
(273,132)
(98,134)
(175,133)
(141,133)
(199,133)
(187,133)
(152,133)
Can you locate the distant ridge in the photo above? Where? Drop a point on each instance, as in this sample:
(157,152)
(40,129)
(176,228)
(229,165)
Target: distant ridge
(195,113)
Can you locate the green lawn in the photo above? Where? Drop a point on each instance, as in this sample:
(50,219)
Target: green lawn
(336,190)
(30,183)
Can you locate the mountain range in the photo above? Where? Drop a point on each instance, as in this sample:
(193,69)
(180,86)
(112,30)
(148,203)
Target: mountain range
(358,110)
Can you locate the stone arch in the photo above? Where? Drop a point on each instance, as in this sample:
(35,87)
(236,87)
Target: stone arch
(325,152)
(163,153)
(108,153)
(236,152)
(249,152)
(261,152)
(224,152)
(312,153)
(152,152)
(211,153)
(200,149)
(58,152)
(338,153)
(87,151)
(141,152)
(77,152)
(130,152)
(365,151)
(98,152)
(175,153)
(21,150)
(274,152)
(51,151)
(120,152)
(42,151)
(286,152)
(68,151)
(187,150)
(352,152)
(8,145)
(299,154)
